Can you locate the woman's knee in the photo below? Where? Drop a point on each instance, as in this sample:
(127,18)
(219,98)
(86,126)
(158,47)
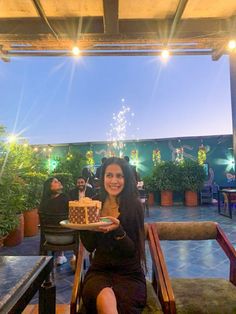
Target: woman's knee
(106,299)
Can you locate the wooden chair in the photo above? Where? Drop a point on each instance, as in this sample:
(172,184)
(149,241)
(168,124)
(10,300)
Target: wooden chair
(143,195)
(55,238)
(153,304)
(194,295)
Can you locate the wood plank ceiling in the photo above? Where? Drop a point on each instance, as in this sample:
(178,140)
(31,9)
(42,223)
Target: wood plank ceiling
(116,27)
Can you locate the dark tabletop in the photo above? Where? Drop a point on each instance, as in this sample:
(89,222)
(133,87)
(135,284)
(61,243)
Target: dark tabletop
(15,274)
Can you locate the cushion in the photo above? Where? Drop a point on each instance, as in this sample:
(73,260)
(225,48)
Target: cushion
(153,305)
(204,295)
(190,230)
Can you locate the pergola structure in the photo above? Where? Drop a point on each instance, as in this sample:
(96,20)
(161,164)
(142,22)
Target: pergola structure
(120,28)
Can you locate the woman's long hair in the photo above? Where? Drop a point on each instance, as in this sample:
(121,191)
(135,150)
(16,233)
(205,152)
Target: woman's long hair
(129,204)
(47,193)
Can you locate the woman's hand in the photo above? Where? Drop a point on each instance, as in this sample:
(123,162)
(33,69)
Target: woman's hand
(115,224)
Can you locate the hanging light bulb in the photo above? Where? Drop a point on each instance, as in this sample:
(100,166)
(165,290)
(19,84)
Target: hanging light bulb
(75,50)
(232,44)
(165,54)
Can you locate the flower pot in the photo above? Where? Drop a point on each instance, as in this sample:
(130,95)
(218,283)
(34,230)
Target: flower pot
(166,198)
(16,236)
(151,199)
(31,221)
(2,240)
(191,198)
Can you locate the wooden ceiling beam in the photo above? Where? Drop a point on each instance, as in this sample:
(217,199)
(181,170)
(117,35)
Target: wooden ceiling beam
(106,48)
(106,53)
(177,17)
(43,16)
(110,17)
(94,27)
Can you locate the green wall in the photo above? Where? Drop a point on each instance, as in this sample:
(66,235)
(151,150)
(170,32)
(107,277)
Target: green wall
(218,148)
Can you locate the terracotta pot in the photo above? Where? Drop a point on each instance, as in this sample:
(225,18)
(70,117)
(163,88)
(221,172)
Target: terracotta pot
(16,236)
(151,199)
(191,198)
(166,198)
(31,222)
(2,240)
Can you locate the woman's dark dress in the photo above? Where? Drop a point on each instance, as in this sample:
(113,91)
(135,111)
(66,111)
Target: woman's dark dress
(116,264)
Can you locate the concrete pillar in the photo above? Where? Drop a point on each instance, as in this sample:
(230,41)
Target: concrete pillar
(233,98)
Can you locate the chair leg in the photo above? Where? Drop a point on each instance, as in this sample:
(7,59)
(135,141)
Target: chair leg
(147,208)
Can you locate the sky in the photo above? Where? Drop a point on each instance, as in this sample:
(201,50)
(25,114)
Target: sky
(52,100)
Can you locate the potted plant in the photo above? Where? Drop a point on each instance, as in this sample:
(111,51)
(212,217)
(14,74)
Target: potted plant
(34,187)
(150,186)
(73,164)
(12,201)
(193,177)
(166,175)
(7,224)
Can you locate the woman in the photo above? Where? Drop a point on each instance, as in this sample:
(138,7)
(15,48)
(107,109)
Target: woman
(54,207)
(115,282)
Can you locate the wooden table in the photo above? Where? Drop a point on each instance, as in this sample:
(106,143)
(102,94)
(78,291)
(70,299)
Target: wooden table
(20,278)
(229,193)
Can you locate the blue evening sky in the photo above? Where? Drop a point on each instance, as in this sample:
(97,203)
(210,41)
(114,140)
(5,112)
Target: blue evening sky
(66,100)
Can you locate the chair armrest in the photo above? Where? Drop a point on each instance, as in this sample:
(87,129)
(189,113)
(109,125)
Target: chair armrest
(77,278)
(161,279)
(165,288)
(229,251)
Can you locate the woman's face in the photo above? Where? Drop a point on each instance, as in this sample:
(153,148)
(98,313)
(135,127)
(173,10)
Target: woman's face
(114,181)
(56,186)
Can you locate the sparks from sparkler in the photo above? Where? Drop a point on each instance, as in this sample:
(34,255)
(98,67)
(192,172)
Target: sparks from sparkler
(118,130)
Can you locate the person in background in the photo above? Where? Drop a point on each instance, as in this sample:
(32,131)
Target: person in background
(54,202)
(89,176)
(99,169)
(115,281)
(81,190)
(136,175)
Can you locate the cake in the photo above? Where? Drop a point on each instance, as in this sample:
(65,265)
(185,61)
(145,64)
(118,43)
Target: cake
(84,211)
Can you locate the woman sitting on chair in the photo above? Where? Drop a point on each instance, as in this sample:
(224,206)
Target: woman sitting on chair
(54,207)
(115,282)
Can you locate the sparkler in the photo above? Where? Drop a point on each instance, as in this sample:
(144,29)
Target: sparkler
(118,130)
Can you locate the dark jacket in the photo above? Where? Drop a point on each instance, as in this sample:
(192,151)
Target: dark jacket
(74,194)
(55,209)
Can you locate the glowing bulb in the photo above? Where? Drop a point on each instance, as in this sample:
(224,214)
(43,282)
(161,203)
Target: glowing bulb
(165,54)
(36,149)
(232,44)
(50,150)
(45,149)
(75,50)
(12,138)
(26,145)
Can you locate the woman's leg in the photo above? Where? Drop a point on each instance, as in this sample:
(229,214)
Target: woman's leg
(106,302)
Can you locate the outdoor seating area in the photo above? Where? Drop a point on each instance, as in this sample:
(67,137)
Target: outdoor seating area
(117,157)
(185,260)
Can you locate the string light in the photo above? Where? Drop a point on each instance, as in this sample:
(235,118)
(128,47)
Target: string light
(36,149)
(12,138)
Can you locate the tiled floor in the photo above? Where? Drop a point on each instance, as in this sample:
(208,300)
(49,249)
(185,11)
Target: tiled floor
(184,258)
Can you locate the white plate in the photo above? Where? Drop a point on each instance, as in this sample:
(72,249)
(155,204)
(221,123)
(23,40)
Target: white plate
(102,223)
